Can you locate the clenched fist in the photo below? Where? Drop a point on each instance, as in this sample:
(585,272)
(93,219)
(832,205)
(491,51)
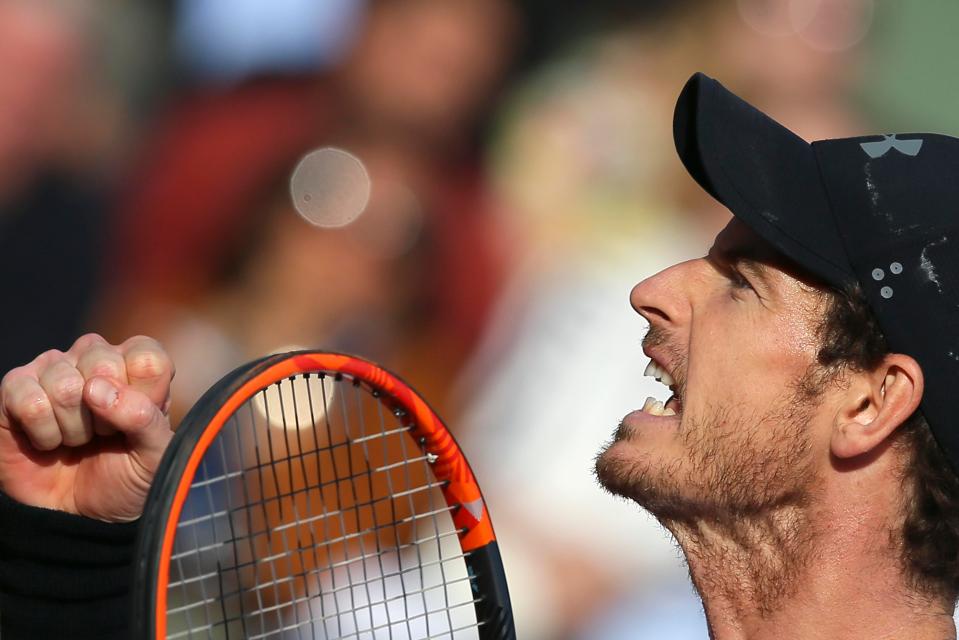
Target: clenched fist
(83,431)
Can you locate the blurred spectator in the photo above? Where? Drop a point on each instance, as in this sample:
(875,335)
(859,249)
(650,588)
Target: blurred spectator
(215,262)
(58,124)
(586,161)
(222,41)
(553,24)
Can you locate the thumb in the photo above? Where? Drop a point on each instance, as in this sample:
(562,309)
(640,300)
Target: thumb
(132,413)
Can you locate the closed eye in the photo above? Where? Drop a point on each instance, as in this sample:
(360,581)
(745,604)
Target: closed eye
(737,280)
(732,275)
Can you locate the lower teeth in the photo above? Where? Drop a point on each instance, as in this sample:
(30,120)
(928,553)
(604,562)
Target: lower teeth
(657,408)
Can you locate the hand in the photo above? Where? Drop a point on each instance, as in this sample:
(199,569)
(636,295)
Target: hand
(83,431)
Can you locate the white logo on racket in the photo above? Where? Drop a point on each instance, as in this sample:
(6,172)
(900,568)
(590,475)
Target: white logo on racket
(475,507)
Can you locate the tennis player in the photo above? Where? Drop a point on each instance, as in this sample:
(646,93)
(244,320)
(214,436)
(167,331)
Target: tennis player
(806,462)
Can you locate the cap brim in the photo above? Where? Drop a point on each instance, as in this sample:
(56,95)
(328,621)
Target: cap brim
(766,175)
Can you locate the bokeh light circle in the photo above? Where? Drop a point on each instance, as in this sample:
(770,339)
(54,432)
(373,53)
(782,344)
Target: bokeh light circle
(330,187)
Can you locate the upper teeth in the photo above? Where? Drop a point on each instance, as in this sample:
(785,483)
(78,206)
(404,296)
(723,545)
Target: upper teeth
(653,369)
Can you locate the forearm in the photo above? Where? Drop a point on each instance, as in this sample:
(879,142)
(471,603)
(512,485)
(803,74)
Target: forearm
(62,575)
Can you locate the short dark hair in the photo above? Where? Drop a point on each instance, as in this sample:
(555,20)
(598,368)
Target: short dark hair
(852,339)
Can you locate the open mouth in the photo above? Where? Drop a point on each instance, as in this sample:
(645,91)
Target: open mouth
(671,407)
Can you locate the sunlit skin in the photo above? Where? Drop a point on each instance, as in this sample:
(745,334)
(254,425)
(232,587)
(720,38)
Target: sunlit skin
(786,503)
(733,335)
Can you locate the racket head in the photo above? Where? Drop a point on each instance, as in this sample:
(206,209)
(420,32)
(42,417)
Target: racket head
(416,435)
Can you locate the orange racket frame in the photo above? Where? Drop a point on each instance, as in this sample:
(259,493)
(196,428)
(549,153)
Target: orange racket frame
(179,466)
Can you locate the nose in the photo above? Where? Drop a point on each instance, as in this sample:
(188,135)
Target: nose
(663,299)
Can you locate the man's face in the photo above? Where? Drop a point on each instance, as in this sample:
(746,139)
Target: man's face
(738,337)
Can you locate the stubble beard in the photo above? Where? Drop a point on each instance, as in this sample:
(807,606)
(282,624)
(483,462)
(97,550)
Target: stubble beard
(738,495)
(725,470)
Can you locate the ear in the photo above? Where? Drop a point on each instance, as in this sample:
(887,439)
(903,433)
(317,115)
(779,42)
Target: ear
(875,403)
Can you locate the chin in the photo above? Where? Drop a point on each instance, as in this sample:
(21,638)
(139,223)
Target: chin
(635,469)
(647,463)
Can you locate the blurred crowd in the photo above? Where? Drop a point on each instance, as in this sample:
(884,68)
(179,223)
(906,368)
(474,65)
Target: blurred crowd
(522,179)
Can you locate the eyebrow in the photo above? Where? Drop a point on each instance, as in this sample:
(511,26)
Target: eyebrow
(751,259)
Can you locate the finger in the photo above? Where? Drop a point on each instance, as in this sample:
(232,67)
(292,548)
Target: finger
(102,359)
(133,414)
(27,408)
(85,343)
(93,356)
(35,366)
(63,385)
(11,378)
(149,369)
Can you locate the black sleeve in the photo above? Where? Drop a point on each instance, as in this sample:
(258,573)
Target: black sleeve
(62,575)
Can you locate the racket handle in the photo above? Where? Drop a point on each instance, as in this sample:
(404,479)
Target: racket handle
(487,565)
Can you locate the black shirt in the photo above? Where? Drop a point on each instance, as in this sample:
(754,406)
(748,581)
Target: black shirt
(62,575)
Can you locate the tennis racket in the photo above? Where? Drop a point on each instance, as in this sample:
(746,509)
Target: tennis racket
(315,495)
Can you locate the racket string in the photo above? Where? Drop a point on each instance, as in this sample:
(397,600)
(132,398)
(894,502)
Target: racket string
(366,456)
(357,634)
(245,589)
(307,490)
(259,470)
(330,525)
(391,489)
(286,432)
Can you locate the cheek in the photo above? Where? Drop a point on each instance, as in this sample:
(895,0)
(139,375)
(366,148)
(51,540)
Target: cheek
(743,353)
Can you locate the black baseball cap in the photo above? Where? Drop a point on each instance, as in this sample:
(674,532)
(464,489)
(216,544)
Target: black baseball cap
(881,211)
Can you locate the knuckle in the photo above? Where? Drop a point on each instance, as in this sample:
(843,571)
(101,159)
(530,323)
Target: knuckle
(50,355)
(141,342)
(33,408)
(148,364)
(88,340)
(141,415)
(103,362)
(11,377)
(67,390)
(142,339)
